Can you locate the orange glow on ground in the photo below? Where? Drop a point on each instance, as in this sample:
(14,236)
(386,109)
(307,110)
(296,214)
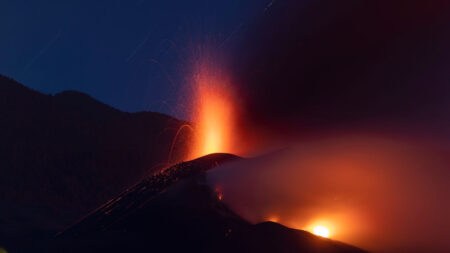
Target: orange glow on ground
(321,231)
(273,218)
(321,228)
(213,113)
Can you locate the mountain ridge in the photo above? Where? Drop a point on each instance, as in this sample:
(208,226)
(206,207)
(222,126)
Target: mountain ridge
(69,152)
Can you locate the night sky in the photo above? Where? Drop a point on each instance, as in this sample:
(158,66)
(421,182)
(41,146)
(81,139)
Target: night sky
(328,65)
(306,64)
(128,54)
(355,93)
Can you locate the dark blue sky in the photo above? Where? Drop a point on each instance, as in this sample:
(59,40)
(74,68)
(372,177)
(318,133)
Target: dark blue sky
(128,54)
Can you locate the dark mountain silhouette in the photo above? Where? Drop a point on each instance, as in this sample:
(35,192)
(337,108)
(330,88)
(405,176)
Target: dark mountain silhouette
(63,155)
(174,211)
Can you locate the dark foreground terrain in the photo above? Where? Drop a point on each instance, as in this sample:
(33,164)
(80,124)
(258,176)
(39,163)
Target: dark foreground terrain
(174,211)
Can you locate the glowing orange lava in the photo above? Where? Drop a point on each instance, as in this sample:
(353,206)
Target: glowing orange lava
(321,231)
(213,114)
(321,228)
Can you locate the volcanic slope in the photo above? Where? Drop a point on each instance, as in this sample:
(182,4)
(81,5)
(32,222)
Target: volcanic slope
(176,210)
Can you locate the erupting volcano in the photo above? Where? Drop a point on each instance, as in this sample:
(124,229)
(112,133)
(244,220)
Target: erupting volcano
(285,126)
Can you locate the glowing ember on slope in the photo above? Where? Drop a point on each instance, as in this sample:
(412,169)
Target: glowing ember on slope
(219,192)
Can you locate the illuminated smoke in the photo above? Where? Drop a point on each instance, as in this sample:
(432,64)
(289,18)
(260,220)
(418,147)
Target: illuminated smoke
(372,192)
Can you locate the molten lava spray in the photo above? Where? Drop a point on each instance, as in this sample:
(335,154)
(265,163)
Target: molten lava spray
(213,112)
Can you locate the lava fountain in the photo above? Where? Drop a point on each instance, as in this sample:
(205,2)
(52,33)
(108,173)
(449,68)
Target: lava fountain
(213,112)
